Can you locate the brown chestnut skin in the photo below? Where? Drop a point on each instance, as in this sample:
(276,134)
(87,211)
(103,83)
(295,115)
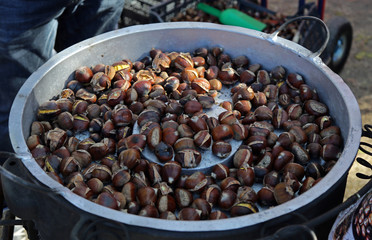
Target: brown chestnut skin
(240,131)
(153,171)
(315,108)
(314,170)
(98,150)
(286,139)
(189,158)
(222,132)
(227,117)
(243,106)
(102,172)
(227,199)
(230,183)
(68,165)
(189,213)
(211,194)
(170,136)
(129,158)
(220,171)
(168,215)
(282,159)
(183,197)
(202,205)
(257,131)
(171,172)
(300,154)
(297,169)
(280,116)
(55,138)
(133,207)
(263,113)
(147,196)
(130,192)
(184,143)
(307,184)
(227,105)
(242,157)
(266,196)
(185,130)
(120,178)
(52,163)
(257,143)
(299,134)
(203,139)
(324,122)
(215,84)
(154,137)
(48,110)
(245,175)
(243,208)
(83,74)
(294,80)
(334,139)
(142,166)
(196,182)
(221,149)
(83,190)
(330,152)
(149,211)
(95,184)
(107,199)
(140,180)
(163,188)
(291,180)
(65,120)
(120,198)
(164,152)
(192,107)
(166,203)
(247,194)
(135,141)
(82,156)
(283,193)
(215,215)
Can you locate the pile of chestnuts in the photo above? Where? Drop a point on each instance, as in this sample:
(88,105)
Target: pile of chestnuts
(362,219)
(83,138)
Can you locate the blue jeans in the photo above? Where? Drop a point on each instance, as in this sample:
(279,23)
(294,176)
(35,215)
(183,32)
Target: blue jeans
(31,29)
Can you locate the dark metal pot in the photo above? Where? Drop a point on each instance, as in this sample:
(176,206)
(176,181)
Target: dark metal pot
(59,213)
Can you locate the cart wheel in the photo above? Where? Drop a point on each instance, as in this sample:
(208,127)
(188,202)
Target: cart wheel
(338,48)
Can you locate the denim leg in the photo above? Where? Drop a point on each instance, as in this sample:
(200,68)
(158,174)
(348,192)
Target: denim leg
(88,19)
(28,31)
(27,37)
(18,60)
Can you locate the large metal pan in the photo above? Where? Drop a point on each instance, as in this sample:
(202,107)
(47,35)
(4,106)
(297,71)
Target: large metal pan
(134,43)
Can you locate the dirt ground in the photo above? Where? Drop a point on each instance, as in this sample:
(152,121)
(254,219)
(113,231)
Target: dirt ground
(357,70)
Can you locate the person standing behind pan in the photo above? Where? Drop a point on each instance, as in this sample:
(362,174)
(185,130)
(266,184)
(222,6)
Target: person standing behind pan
(32,30)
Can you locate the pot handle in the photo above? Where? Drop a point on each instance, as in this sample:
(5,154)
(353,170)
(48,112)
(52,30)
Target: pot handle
(16,179)
(274,35)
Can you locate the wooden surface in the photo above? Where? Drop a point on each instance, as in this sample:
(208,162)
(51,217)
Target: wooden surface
(354,184)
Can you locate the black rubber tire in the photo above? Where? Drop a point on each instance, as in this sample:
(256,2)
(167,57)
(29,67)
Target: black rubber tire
(340,30)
